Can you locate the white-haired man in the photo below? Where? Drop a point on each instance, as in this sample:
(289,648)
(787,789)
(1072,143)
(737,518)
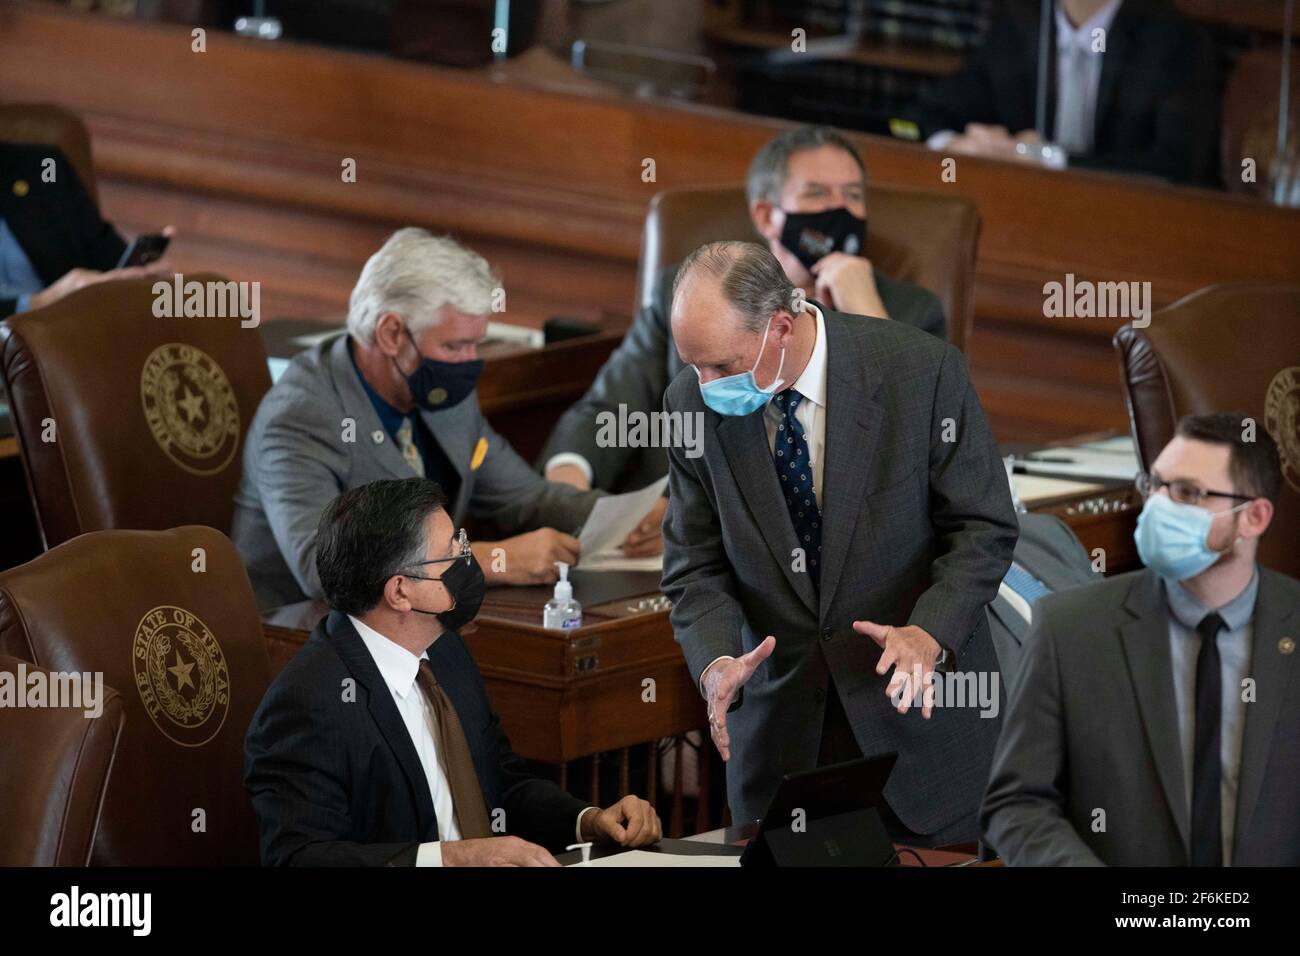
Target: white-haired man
(391,397)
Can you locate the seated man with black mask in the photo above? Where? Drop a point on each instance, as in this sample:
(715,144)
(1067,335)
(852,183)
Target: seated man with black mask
(396,395)
(377,745)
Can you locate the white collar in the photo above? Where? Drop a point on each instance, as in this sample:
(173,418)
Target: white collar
(812,383)
(397,666)
(1067,34)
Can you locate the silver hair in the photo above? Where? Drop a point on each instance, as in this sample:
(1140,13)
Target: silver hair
(415,274)
(752,280)
(767,171)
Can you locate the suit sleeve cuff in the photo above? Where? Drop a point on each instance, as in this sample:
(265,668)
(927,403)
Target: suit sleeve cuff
(570,458)
(429,854)
(724,657)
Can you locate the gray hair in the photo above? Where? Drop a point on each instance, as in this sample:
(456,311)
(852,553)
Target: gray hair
(416,274)
(752,280)
(768,168)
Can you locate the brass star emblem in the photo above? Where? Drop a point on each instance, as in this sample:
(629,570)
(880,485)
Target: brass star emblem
(192,404)
(181,672)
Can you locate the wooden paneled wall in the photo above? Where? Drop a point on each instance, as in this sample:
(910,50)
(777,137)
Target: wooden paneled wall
(240,147)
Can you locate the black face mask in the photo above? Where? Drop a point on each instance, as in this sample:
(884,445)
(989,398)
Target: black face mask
(812,235)
(465,583)
(436,385)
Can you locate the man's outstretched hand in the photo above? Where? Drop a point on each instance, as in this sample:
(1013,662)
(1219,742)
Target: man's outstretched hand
(912,652)
(722,682)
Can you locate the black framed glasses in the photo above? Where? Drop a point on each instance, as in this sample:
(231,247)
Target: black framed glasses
(461,544)
(1180,490)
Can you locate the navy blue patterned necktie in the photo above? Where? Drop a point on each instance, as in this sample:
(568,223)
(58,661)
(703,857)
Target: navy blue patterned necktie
(794,469)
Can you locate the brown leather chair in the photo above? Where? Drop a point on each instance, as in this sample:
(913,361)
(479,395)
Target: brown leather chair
(185,642)
(149,414)
(1224,348)
(924,238)
(56,763)
(46,123)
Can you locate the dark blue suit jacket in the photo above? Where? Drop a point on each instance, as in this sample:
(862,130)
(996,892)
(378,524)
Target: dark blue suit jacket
(336,780)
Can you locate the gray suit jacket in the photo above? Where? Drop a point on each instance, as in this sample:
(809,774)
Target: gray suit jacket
(918,530)
(296,462)
(1092,725)
(1049,550)
(639,370)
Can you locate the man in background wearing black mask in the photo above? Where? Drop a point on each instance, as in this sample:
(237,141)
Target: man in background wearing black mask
(807,199)
(395,396)
(377,745)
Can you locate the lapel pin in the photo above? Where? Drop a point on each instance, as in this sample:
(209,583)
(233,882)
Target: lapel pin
(21,188)
(480,452)
(437,396)
(377,436)
(1286,645)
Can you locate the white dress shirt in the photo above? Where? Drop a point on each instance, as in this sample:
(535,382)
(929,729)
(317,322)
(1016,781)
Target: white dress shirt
(398,667)
(1077,81)
(1018,604)
(1078,76)
(811,414)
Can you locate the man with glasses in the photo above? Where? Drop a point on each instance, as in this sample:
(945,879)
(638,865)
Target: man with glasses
(1157,716)
(377,744)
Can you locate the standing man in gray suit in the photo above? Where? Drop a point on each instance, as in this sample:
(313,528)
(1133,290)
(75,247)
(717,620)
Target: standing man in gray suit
(807,199)
(848,515)
(394,397)
(1157,717)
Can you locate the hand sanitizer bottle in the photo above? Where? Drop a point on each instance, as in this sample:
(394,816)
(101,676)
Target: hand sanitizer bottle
(562,611)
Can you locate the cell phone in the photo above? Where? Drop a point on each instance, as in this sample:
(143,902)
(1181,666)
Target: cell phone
(144,250)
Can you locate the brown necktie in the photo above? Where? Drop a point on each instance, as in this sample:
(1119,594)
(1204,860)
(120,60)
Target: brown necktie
(466,796)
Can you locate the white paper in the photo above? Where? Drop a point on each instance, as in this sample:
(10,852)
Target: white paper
(1114,458)
(643,858)
(1032,488)
(612,519)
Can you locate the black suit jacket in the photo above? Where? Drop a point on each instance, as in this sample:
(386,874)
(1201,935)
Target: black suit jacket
(1157,105)
(57,224)
(639,370)
(1092,725)
(338,782)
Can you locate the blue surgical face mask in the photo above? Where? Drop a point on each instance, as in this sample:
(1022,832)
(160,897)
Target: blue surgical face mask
(739,394)
(1173,539)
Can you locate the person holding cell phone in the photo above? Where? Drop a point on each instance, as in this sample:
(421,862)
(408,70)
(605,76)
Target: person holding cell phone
(53,239)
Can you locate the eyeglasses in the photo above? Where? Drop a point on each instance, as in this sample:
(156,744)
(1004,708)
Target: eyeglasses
(1180,490)
(462,551)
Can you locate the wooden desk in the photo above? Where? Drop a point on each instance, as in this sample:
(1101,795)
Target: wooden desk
(1105,520)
